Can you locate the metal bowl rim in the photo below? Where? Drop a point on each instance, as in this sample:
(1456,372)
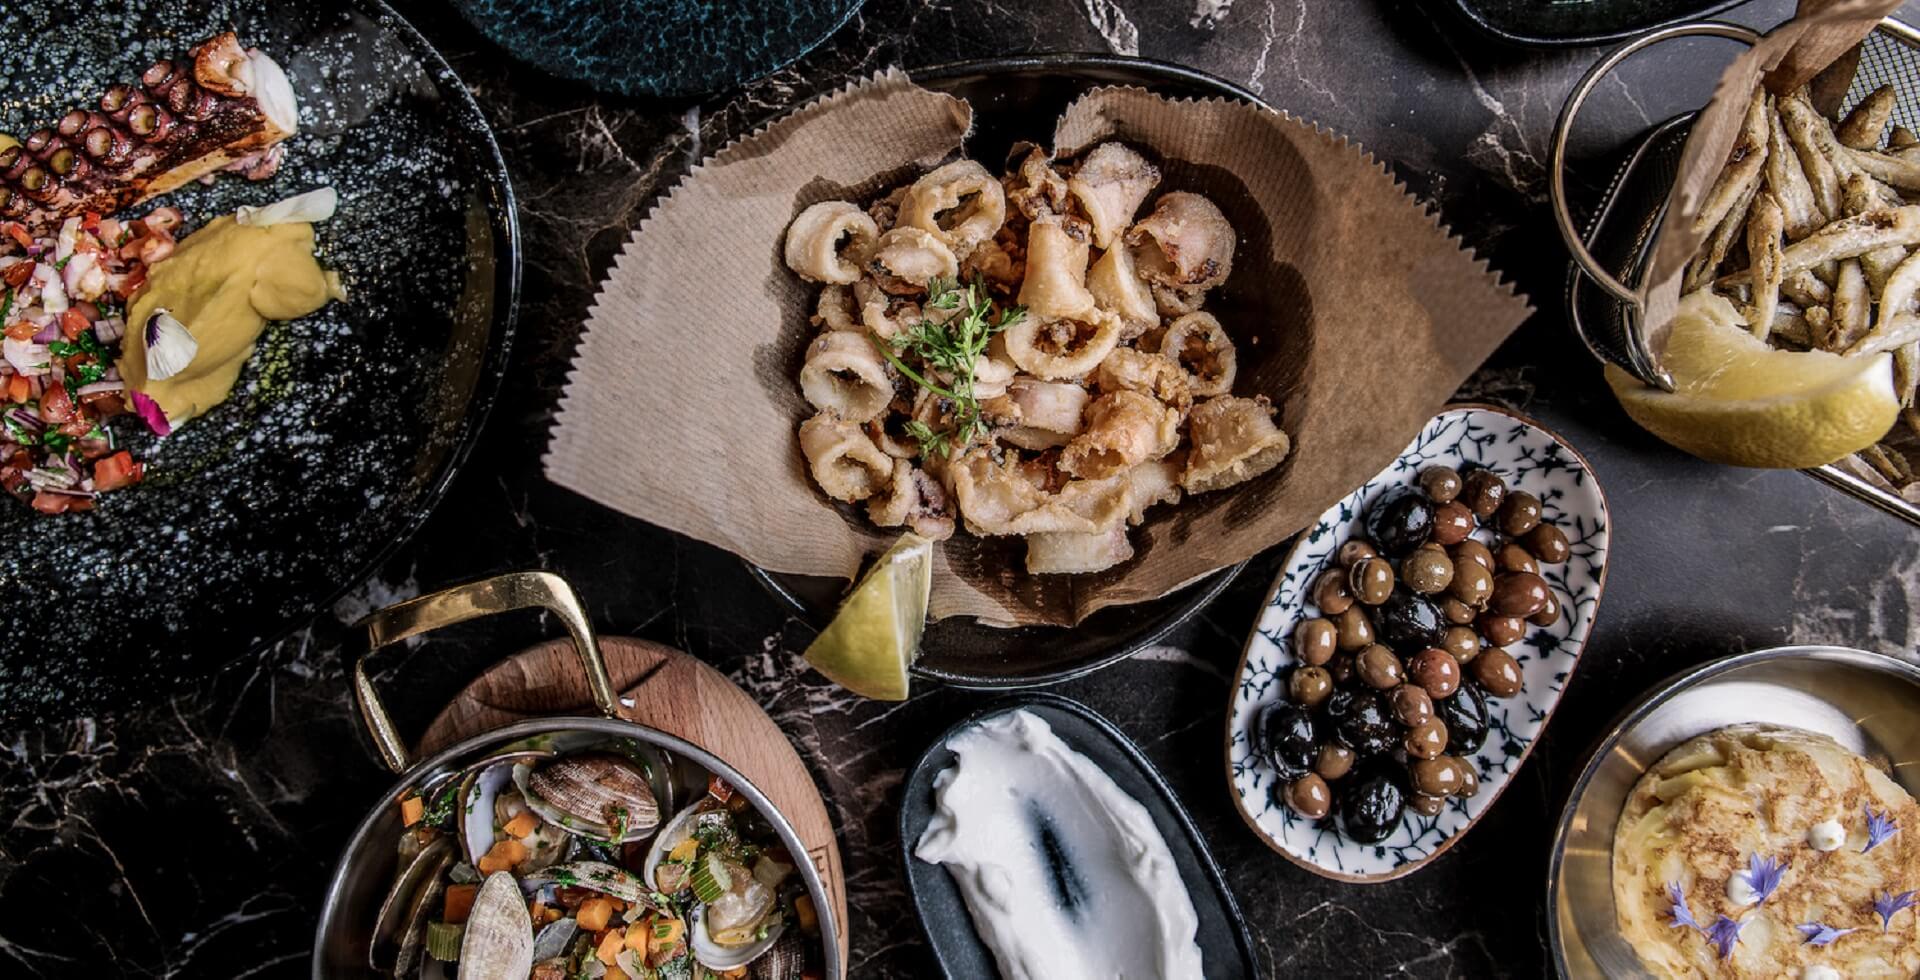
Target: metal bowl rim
(816,888)
(1661,693)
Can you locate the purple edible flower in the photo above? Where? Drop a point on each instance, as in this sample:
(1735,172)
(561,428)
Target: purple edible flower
(1880,826)
(1889,905)
(1723,934)
(1762,875)
(1681,916)
(1821,934)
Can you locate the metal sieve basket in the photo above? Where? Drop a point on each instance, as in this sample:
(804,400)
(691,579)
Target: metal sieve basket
(1617,243)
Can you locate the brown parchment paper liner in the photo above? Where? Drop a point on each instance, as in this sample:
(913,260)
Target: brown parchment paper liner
(1352,308)
(1821,33)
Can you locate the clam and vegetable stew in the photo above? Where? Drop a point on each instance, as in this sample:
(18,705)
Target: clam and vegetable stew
(584,856)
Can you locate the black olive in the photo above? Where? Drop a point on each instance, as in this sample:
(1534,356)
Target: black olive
(1465,715)
(1409,623)
(1289,738)
(1371,801)
(1400,521)
(1367,726)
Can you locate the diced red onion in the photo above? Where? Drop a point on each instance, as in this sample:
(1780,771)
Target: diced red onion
(48,333)
(102,387)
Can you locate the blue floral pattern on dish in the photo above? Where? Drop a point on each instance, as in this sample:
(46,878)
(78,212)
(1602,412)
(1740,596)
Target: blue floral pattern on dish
(1528,458)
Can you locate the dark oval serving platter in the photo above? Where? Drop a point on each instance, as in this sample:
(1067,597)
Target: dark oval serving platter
(1225,943)
(346,426)
(1015,100)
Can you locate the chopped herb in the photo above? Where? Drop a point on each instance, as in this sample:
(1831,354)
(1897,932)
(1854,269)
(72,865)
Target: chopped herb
(6,305)
(952,348)
(62,264)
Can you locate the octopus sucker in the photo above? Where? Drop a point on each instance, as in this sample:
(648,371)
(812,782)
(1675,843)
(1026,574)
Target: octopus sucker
(220,107)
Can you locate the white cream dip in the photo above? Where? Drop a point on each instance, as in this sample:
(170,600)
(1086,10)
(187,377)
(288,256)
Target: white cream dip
(1065,874)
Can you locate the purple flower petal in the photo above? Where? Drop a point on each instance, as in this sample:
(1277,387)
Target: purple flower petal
(1889,905)
(1821,934)
(1880,826)
(1681,916)
(1762,875)
(1723,934)
(151,412)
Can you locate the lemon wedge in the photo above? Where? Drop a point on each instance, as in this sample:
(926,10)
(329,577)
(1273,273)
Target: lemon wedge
(876,634)
(1741,402)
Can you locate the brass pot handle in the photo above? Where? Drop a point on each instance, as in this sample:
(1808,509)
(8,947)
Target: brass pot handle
(501,593)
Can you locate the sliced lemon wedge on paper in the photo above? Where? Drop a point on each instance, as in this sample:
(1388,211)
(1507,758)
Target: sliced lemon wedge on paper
(1741,402)
(876,634)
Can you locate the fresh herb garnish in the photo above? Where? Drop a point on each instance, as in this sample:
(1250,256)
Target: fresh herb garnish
(83,343)
(951,348)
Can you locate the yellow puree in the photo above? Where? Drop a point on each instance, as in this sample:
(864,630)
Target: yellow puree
(224,282)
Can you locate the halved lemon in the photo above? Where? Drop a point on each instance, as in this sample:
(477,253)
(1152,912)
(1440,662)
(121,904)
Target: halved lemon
(875,636)
(1741,402)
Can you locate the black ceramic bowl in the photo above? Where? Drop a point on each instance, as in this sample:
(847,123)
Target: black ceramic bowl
(1015,100)
(345,427)
(1224,941)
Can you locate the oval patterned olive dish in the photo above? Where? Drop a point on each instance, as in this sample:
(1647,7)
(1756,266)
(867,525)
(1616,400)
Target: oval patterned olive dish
(1332,751)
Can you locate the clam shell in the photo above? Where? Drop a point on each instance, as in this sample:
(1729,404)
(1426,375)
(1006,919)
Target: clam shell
(720,958)
(667,839)
(480,792)
(499,940)
(592,794)
(787,960)
(399,928)
(599,876)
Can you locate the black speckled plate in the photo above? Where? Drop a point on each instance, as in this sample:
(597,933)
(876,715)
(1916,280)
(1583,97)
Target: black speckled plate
(1016,100)
(1225,944)
(1571,23)
(345,427)
(658,47)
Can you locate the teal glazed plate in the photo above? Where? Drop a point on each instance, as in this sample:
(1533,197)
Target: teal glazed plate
(658,47)
(1529,458)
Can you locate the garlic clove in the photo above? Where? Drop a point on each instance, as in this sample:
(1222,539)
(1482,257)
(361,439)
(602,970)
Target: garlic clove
(170,347)
(314,205)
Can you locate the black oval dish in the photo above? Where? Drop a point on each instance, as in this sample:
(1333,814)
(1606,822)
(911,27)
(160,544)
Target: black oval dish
(1014,100)
(1543,24)
(346,426)
(943,913)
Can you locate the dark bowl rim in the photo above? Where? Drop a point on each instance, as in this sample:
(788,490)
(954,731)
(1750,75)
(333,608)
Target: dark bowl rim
(504,223)
(1199,593)
(1209,866)
(1469,11)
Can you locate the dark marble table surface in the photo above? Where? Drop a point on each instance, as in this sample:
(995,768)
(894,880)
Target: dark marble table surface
(193,836)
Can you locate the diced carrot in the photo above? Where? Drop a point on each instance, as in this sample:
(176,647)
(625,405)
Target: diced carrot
(522,825)
(636,937)
(736,972)
(803,912)
(593,914)
(719,789)
(460,902)
(684,851)
(537,911)
(665,934)
(553,915)
(411,809)
(610,945)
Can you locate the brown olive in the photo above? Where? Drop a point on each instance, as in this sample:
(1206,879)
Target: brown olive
(1498,672)
(1314,641)
(1482,491)
(1354,552)
(1511,557)
(1340,668)
(1436,777)
(1378,667)
(1436,671)
(1500,630)
(1371,581)
(1458,613)
(1334,761)
(1519,594)
(1469,777)
(1441,483)
(1474,551)
(1548,543)
(1309,796)
(1354,631)
(1549,614)
(1411,705)
(1462,642)
(1330,592)
(1519,513)
(1426,806)
(1309,686)
(1427,739)
(1427,570)
(1471,584)
(1452,523)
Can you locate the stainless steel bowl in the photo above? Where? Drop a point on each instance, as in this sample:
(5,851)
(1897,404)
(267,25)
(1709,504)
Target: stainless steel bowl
(1868,702)
(370,860)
